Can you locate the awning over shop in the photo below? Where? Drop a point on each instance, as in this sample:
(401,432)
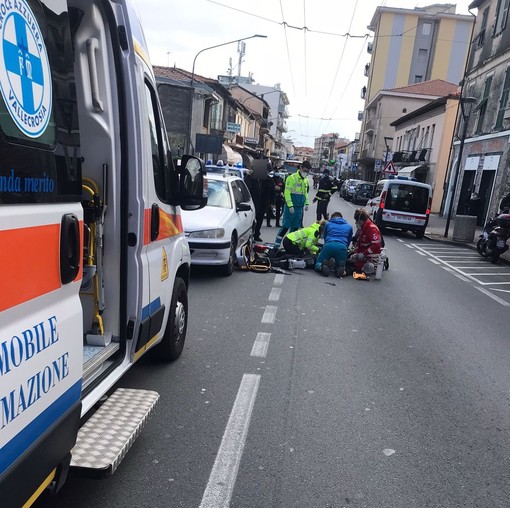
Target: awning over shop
(408,171)
(230,156)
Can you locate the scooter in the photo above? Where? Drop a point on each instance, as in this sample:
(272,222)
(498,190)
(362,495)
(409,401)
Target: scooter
(493,240)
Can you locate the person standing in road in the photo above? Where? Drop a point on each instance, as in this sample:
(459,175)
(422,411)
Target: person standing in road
(333,255)
(279,201)
(326,189)
(296,201)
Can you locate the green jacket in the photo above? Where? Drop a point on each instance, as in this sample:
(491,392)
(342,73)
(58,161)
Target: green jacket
(296,190)
(306,238)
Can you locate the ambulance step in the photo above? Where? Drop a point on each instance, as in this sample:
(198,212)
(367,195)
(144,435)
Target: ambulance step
(110,432)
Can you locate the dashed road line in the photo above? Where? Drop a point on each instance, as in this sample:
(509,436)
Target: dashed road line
(261,345)
(274,296)
(435,261)
(453,272)
(269,315)
(278,279)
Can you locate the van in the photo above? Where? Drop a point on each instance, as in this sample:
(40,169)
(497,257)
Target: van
(94,262)
(401,203)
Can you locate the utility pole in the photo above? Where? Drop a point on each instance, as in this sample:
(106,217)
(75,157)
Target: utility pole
(241,49)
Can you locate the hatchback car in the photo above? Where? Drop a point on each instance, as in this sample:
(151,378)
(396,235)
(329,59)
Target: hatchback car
(349,186)
(216,232)
(362,193)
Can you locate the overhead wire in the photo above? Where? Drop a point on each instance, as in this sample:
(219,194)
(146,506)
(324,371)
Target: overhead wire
(339,64)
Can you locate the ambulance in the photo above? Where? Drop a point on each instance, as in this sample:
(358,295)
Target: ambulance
(94,264)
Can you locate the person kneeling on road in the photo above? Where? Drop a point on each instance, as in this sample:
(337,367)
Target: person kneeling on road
(304,241)
(368,243)
(337,237)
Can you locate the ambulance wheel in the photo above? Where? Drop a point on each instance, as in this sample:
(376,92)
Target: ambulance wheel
(229,267)
(170,348)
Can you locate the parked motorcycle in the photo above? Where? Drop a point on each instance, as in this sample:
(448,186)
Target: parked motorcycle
(493,240)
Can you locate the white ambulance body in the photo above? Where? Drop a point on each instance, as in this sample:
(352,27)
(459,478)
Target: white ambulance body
(94,265)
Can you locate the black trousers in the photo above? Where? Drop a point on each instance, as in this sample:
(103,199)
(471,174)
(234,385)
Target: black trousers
(292,248)
(322,210)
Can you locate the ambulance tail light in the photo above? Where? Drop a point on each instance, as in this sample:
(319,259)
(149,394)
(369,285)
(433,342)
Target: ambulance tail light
(383,200)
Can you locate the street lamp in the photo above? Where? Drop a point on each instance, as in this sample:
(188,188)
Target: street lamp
(193,79)
(466,106)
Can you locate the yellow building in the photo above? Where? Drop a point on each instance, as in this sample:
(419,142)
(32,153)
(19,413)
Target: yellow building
(411,46)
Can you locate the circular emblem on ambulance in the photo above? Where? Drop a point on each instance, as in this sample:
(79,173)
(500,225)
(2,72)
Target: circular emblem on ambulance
(25,78)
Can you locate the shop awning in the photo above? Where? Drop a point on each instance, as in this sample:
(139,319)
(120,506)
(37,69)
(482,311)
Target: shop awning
(408,171)
(230,156)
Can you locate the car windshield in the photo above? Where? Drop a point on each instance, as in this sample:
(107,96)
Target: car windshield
(407,198)
(218,194)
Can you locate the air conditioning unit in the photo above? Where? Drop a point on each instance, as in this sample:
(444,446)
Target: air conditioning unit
(370,47)
(360,116)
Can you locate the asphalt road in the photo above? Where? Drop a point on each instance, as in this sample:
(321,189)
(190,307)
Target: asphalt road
(391,393)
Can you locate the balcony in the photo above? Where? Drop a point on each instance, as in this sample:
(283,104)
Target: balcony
(360,116)
(370,47)
(412,156)
(363,93)
(366,73)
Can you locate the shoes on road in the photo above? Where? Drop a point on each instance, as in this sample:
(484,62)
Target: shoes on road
(258,239)
(328,266)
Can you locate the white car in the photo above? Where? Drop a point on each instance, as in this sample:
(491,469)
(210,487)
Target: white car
(216,232)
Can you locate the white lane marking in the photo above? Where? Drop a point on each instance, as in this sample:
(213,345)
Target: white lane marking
(494,297)
(400,240)
(261,345)
(224,472)
(278,279)
(274,296)
(453,272)
(490,274)
(269,315)
(421,253)
(435,261)
(410,245)
(502,290)
(460,256)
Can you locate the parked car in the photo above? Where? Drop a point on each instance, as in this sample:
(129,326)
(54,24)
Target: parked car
(401,203)
(362,193)
(220,168)
(349,186)
(217,232)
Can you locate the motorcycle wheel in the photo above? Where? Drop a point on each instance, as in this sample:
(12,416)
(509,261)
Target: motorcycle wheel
(480,247)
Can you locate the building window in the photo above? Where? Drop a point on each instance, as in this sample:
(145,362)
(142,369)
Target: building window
(418,78)
(501,17)
(482,105)
(422,55)
(480,38)
(426,28)
(503,101)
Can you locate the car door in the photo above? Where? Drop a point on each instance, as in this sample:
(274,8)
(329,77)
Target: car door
(245,219)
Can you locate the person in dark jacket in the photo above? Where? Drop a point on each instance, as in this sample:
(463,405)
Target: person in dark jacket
(255,187)
(326,189)
(337,237)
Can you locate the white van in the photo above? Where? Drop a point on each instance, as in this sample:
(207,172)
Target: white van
(401,203)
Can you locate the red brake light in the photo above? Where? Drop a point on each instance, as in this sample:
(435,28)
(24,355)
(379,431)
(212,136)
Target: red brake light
(383,199)
(429,207)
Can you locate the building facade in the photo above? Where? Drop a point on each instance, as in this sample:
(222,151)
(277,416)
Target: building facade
(484,163)
(412,46)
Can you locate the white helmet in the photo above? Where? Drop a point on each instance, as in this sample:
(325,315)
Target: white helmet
(369,268)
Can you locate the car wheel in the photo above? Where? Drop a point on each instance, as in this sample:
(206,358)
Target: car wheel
(229,267)
(170,348)
(420,233)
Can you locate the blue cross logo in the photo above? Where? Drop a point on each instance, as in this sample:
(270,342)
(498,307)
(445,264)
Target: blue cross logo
(26,65)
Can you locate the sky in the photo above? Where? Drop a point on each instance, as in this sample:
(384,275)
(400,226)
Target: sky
(318,67)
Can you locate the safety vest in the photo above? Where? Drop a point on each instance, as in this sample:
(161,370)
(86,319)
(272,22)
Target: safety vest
(296,190)
(306,238)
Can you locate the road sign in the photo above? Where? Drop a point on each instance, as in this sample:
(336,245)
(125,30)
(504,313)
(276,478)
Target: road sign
(389,169)
(377,165)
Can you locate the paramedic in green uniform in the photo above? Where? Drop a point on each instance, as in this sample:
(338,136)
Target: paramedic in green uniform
(296,201)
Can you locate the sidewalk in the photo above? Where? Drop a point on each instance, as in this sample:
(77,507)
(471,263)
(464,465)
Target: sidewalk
(435,231)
